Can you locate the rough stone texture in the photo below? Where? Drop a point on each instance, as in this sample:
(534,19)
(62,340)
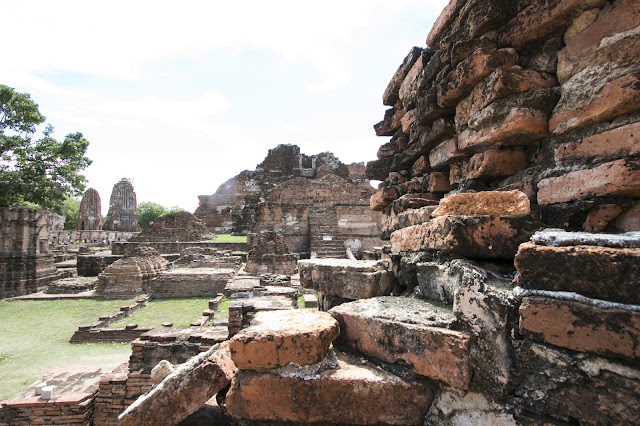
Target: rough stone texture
(122,215)
(352,393)
(90,211)
(598,272)
(471,236)
(189,282)
(26,262)
(600,216)
(183,391)
(391,93)
(486,203)
(608,332)
(270,254)
(350,279)
(492,164)
(130,275)
(617,178)
(179,226)
(404,219)
(409,331)
(278,338)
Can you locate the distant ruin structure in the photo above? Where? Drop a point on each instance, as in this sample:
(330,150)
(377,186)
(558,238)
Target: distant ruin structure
(130,276)
(90,212)
(26,262)
(122,214)
(270,254)
(317,203)
(175,227)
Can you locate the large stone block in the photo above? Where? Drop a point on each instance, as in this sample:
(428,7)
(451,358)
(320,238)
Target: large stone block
(391,93)
(609,145)
(616,178)
(189,387)
(406,218)
(276,338)
(485,203)
(607,332)
(604,273)
(382,198)
(470,236)
(350,279)
(352,393)
(470,71)
(492,164)
(395,329)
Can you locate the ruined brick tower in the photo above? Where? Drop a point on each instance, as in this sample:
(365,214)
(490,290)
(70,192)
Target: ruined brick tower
(122,214)
(90,213)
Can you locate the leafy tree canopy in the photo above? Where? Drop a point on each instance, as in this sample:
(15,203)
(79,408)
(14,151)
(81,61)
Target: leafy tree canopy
(40,172)
(71,208)
(149,211)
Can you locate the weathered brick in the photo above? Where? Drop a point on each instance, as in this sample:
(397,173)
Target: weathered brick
(616,178)
(615,98)
(610,145)
(541,20)
(427,138)
(420,338)
(445,153)
(485,203)
(470,236)
(352,393)
(420,167)
(391,123)
(598,272)
(382,198)
(470,71)
(277,338)
(580,327)
(600,216)
(391,93)
(494,163)
(445,18)
(629,221)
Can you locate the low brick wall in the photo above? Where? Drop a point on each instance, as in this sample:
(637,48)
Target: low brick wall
(96,331)
(126,248)
(190,282)
(116,393)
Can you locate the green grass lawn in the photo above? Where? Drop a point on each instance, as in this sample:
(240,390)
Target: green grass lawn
(34,338)
(228,238)
(178,311)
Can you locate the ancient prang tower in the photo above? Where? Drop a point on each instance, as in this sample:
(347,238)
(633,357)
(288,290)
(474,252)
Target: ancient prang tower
(89,215)
(122,214)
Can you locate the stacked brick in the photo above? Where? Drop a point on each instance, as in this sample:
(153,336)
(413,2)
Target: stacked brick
(535,96)
(115,393)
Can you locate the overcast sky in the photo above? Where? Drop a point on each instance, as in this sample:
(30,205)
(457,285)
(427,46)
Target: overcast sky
(181,96)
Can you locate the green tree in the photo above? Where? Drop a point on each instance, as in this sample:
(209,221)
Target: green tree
(71,208)
(40,172)
(149,211)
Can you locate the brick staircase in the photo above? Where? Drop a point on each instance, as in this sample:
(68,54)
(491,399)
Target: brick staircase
(323,222)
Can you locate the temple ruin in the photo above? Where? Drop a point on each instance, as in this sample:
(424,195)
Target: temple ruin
(90,212)
(122,215)
(506,292)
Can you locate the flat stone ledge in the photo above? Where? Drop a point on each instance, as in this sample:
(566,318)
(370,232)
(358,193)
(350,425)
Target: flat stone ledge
(559,237)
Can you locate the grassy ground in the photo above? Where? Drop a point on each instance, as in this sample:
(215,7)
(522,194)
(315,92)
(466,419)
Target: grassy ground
(34,338)
(228,238)
(178,311)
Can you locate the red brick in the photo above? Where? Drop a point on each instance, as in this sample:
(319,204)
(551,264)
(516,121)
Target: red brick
(539,20)
(470,71)
(485,203)
(610,145)
(352,393)
(522,126)
(629,221)
(494,163)
(383,198)
(598,272)
(581,327)
(391,93)
(391,123)
(617,178)
(470,236)
(445,18)
(445,153)
(420,167)
(600,216)
(617,97)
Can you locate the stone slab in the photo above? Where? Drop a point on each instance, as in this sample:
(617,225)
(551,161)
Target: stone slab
(607,332)
(277,338)
(352,393)
(469,236)
(603,273)
(350,279)
(410,331)
(485,203)
(559,238)
(185,390)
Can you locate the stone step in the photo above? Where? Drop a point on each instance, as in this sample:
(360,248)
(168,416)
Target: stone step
(351,392)
(407,331)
